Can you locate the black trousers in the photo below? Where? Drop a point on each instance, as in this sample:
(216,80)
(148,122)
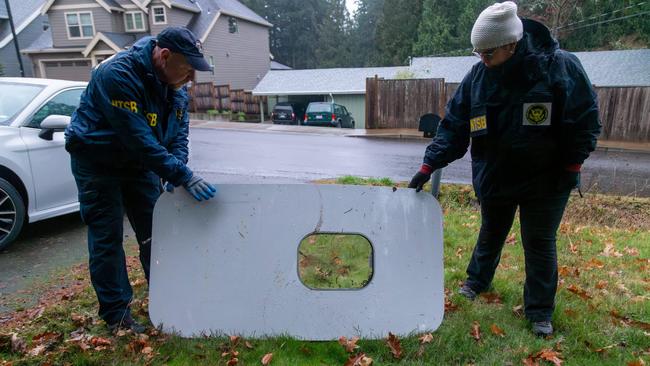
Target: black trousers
(106,193)
(540,219)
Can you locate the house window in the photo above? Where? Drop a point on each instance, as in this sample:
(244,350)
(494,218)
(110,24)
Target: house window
(232,25)
(134,21)
(159,16)
(80,25)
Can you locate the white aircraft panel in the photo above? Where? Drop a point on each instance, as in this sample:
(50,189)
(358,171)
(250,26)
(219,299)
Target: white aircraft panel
(230,264)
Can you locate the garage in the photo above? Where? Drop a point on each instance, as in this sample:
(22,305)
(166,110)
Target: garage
(67,69)
(344,86)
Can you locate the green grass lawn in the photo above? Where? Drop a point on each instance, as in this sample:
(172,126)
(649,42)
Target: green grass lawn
(602,315)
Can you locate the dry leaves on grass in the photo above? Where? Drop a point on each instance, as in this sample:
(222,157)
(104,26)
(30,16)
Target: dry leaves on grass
(449,305)
(359,360)
(476,331)
(349,344)
(425,339)
(579,291)
(638,362)
(266,359)
(491,297)
(610,251)
(395,345)
(518,311)
(546,354)
(497,331)
(626,320)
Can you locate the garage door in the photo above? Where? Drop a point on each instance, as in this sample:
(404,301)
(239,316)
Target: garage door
(67,70)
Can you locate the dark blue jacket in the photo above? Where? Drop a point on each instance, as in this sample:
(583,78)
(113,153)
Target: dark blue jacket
(128,117)
(527,119)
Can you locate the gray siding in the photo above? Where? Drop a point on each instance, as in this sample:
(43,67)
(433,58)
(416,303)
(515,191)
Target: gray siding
(70,73)
(240,59)
(8,56)
(101,46)
(102,19)
(175,17)
(117,20)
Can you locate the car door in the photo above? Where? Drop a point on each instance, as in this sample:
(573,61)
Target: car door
(52,178)
(348,117)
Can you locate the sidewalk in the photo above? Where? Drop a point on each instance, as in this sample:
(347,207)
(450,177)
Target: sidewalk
(398,133)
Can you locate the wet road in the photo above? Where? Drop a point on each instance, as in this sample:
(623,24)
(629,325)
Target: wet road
(229,156)
(226,156)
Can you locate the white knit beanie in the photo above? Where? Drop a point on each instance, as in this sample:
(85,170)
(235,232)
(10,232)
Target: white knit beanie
(496,26)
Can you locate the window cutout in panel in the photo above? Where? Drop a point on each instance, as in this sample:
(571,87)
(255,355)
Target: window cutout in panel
(335,261)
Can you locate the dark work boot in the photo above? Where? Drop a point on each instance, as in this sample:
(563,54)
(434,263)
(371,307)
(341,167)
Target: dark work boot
(127,323)
(467,292)
(543,328)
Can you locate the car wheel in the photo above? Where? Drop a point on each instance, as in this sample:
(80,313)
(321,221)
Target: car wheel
(338,124)
(12,213)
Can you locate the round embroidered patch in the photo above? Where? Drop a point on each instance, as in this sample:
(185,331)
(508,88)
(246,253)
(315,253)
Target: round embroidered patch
(536,114)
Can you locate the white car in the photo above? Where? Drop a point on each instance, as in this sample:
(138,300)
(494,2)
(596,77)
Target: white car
(35,178)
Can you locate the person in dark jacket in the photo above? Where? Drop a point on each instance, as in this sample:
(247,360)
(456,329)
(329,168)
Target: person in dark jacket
(129,132)
(531,115)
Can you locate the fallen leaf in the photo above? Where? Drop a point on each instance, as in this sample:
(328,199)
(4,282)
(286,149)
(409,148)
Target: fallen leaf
(99,341)
(573,248)
(427,338)
(512,239)
(491,297)
(359,360)
(550,356)
(638,362)
(601,284)
(570,313)
(36,351)
(232,362)
(610,251)
(394,345)
(530,361)
(349,344)
(248,345)
(497,331)
(234,340)
(578,291)
(459,252)
(146,350)
(633,252)
(594,263)
(629,321)
(476,331)
(266,359)
(518,311)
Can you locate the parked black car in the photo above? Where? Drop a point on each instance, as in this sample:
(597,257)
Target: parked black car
(328,114)
(288,113)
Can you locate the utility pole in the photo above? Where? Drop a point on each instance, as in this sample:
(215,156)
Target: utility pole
(13,33)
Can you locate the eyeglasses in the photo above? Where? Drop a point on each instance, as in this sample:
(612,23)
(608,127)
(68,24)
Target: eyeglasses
(485,53)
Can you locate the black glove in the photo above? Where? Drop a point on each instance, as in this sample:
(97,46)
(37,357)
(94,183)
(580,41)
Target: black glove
(569,178)
(421,177)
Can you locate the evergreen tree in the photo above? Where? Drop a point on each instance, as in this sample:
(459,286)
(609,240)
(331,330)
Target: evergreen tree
(332,48)
(363,34)
(397,31)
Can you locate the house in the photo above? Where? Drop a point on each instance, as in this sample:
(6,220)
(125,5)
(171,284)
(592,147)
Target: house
(29,25)
(622,68)
(625,68)
(345,86)
(84,32)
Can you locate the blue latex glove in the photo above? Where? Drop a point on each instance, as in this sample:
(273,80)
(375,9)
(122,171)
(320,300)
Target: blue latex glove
(199,188)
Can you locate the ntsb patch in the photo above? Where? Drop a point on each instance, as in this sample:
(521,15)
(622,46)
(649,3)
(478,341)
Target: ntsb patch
(537,114)
(478,125)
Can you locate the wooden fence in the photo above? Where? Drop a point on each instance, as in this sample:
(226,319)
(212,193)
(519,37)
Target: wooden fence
(207,96)
(625,113)
(400,103)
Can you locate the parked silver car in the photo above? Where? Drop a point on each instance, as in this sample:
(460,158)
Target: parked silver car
(35,178)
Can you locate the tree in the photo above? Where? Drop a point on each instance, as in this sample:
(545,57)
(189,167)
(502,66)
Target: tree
(397,31)
(363,33)
(333,44)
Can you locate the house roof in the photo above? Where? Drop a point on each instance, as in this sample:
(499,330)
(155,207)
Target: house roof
(116,41)
(321,81)
(23,13)
(278,66)
(604,68)
(3,11)
(211,10)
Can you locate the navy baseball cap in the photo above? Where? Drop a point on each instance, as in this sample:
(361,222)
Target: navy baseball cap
(182,40)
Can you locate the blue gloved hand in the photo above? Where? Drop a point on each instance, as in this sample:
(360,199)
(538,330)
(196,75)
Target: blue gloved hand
(168,187)
(199,188)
